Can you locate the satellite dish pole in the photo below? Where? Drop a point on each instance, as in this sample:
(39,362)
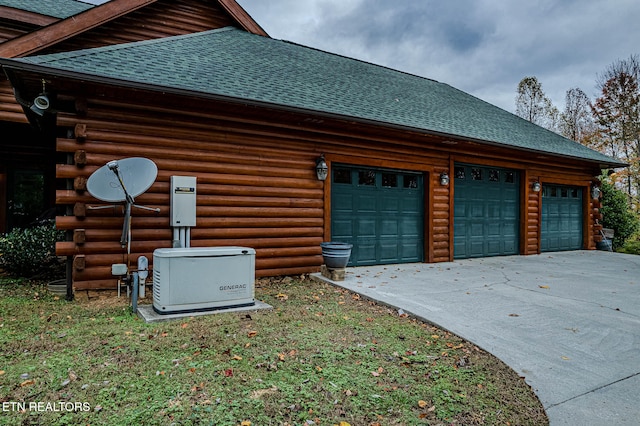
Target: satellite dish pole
(137,174)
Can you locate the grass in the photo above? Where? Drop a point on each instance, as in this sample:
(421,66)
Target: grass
(322,356)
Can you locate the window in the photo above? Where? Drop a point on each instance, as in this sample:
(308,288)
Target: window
(460,172)
(367,177)
(410,181)
(509,177)
(476,173)
(389,180)
(494,175)
(342,176)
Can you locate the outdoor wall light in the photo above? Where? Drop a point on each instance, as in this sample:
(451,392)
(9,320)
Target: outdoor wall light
(595,192)
(536,187)
(444,179)
(322,170)
(41,103)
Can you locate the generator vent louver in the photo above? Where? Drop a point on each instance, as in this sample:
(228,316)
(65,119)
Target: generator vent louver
(156,284)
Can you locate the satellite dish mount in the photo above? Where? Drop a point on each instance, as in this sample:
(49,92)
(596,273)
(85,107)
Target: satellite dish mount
(120,181)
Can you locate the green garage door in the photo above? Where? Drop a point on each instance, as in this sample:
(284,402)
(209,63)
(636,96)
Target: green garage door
(487,211)
(380,212)
(561,218)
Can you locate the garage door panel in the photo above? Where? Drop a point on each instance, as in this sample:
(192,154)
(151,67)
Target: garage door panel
(342,229)
(389,251)
(366,227)
(366,203)
(385,218)
(343,203)
(477,210)
(388,227)
(412,205)
(390,204)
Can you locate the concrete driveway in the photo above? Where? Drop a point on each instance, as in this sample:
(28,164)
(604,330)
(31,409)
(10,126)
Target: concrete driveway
(568,322)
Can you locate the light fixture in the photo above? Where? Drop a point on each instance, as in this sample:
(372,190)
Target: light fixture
(444,179)
(595,192)
(536,187)
(322,170)
(41,103)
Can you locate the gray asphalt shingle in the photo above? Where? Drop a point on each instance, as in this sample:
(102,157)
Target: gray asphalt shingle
(57,8)
(233,63)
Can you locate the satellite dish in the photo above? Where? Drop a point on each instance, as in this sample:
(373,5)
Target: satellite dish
(137,175)
(122,181)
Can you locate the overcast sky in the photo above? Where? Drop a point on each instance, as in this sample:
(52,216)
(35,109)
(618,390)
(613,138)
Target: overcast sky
(483,47)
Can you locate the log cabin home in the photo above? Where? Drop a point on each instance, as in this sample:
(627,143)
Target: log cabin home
(418,171)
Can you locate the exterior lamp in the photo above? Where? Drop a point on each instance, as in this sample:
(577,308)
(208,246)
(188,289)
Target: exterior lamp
(595,192)
(41,103)
(322,170)
(444,179)
(536,187)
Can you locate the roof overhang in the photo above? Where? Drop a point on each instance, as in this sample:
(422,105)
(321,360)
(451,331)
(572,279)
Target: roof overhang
(13,68)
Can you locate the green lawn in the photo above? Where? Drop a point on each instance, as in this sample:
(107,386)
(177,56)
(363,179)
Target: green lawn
(322,356)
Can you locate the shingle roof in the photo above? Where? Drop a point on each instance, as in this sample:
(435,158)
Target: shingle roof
(57,8)
(233,63)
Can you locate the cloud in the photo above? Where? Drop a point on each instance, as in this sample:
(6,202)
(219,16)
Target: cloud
(484,47)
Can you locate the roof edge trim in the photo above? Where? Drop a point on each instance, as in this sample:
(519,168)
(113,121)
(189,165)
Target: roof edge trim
(242,17)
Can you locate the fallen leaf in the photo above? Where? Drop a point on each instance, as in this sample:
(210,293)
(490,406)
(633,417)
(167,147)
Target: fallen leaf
(544,286)
(422,404)
(245,423)
(228,372)
(281,357)
(27,383)
(282,296)
(185,325)
(237,358)
(252,333)
(514,315)
(566,358)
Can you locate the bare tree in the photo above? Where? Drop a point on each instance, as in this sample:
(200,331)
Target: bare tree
(533,105)
(576,121)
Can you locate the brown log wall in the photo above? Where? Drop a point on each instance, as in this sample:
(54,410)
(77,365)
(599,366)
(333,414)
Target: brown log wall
(162,19)
(256,182)
(272,203)
(10,110)
(256,187)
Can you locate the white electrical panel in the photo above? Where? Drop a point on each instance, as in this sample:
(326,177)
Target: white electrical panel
(183,201)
